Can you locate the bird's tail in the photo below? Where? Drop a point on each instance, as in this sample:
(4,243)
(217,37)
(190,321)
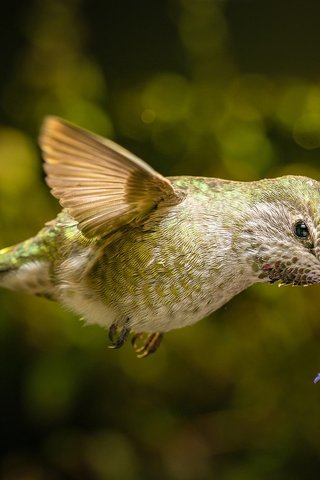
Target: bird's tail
(24,268)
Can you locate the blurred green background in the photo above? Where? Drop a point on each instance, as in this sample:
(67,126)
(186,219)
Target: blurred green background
(217,88)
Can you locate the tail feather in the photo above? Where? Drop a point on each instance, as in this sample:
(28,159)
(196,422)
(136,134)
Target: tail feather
(7,263)
(27,266)
(25,272)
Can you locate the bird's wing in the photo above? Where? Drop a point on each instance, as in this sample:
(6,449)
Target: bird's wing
(102,185)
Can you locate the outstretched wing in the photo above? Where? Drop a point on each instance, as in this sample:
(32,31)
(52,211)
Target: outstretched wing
(102,185)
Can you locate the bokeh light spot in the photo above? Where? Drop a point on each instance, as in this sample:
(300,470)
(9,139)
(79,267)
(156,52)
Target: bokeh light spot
(306,131)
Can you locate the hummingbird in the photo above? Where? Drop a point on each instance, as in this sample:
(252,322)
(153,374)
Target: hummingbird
(139,253)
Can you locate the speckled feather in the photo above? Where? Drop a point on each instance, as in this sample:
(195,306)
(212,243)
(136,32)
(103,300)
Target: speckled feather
(177,249)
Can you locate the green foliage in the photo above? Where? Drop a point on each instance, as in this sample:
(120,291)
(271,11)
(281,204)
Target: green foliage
(230,398)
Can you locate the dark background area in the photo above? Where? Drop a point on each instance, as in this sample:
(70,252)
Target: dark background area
(228,89)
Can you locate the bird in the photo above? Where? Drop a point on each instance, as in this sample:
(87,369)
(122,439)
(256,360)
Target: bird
(141,254)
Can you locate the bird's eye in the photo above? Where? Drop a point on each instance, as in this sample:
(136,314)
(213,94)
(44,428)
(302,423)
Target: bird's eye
(301,230)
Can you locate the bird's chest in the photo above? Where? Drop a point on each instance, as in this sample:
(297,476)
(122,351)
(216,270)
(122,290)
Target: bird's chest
(160,284)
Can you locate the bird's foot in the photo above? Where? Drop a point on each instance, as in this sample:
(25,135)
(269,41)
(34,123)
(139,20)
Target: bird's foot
(145,344)
(118,341)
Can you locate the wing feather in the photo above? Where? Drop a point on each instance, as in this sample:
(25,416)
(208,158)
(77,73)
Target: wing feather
(102,185)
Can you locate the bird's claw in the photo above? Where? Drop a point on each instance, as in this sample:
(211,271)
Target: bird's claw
(143,343)
(118,341)
(145,347)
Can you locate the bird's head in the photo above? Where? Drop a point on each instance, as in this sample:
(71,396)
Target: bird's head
(282,230)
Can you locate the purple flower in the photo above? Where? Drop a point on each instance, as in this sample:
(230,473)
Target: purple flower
(316,380)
